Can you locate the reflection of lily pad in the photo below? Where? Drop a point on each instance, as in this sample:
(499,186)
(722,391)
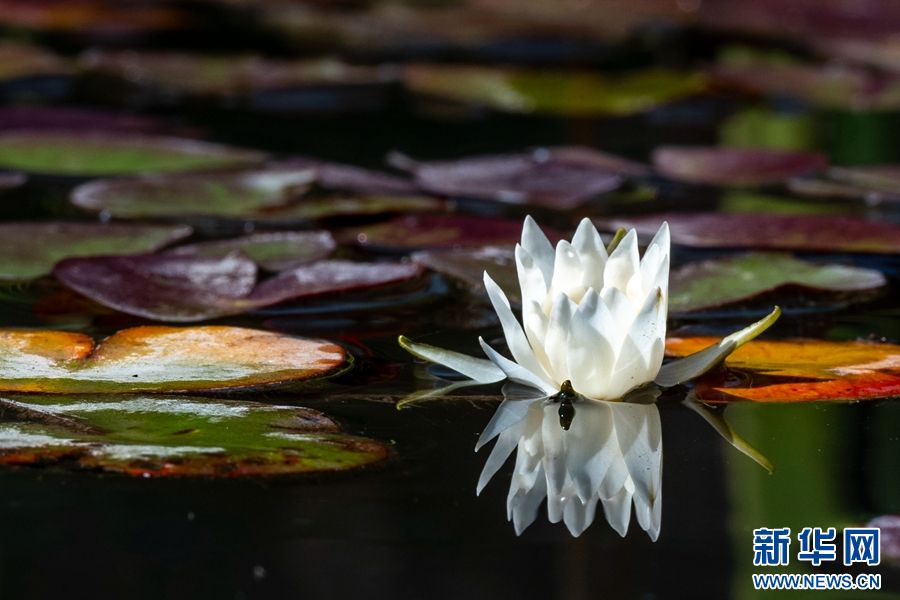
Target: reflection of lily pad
(712,283)
(277,251)
(800,370)
(469,265)
(83,154)
(175,436)
(787,232)
(438,231)
(29,250)
(574,93)
(159,359)
(734,166)
(171,287)
(221,194)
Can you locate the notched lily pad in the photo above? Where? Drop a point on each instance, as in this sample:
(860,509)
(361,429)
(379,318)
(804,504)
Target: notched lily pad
(776,232)
(734,166)
(799,370)
(29,250)
(160,360)
(573,93)
(713,283)
(91,154)
(276,251)
(438,231)
(183,288)
(177,436)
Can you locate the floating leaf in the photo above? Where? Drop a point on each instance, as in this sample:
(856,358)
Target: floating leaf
(70,119)
(160,359)
(439,231)
(170,287)
(713,283)
(277,251)
(19,60)
(349,178)
(177,436)
(572,93)
(316,208)
(883,180)
(734,166)
(783,232)
(83,154)
(469,265)
(234,194)
(563,179)
(800,370)
(29,250)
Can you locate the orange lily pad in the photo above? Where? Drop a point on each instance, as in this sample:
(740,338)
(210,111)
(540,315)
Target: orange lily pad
(160,359)
(799,370)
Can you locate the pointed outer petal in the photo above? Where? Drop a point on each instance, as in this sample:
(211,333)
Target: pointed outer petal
(618,511)
(640,440)
(606,468)
(512,330)
(567,273)
(532,286)
(516,372)
(590,354)
(717,420)
(434,394)
(591,252)
(479,369)
(588,435)
(623,263)
(633,366)
(656,515)
(539,247)
(554,461)
(648,331)
(557,338)
(579,514)
(525,508)
(506,443)
(508,414)
(620,315)
(697,364)
(528,486)
(536,323)
(655,264)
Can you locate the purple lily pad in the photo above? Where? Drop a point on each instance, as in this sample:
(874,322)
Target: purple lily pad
(563,179)
(59,118)
(469,264)
(319,208)
(437,231)
(169,287)
(734,166)
(349,178)
(782,232)
(278,251)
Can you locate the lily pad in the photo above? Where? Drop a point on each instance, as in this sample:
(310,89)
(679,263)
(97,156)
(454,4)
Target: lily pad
(18,60)
(350,178)
(469,264)
(562,179)
(438,231)
(170,287)
(177,436)
(236,194)
(160,360)
(572,93)
(66,118)
(713,283)
(734,166)
(83,154)
(319,208)
(29,250)
(277,251)
(881,181)
(800,370)
(781,232)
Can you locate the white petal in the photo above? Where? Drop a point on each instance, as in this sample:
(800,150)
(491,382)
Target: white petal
(506,443)
(590,354)
(508,414)
(516,372)
(532,286)
(640,440)
(512,330)
(591,252)
(567,272)
(539,247)
(618,511)
(623,263)
(579,515)
(557,338)
(479,369)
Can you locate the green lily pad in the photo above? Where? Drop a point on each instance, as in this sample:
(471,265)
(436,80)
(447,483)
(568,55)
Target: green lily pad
(713,283)
(84,154)
(573,93)
(277,251)
(160,360)
(235,194)
(29,250)
(177,436)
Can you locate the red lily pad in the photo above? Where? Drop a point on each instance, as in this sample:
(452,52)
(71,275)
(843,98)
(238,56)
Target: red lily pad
(232,194)
(66,118)
(781,232)
(801,370)
(177,437)
(734,166)
(438,231)
(562,179)
(83,154)
(169,287)
(469,264)
(713,283)
(29,250)
(18,61)
(160,360)
(278,251)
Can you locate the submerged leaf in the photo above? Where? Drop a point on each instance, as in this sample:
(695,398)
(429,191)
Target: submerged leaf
(801,370)
(734,166)
(712,283)
(160,359)
(788,232)
(178,436)
(29,250)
